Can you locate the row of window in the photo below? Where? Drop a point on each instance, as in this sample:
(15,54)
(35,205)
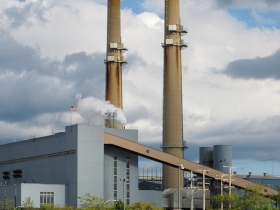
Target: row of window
(127,188)
(127,181)
(46,198)
(115,178)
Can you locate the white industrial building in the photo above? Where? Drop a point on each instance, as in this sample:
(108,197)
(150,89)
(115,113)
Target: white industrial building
(57,169)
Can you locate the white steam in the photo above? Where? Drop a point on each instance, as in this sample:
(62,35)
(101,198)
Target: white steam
(94,111)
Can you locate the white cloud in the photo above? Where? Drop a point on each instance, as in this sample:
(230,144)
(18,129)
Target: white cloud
(56,53)
(67,27)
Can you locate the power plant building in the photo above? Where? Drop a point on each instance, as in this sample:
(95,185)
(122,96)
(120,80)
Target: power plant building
(57,169)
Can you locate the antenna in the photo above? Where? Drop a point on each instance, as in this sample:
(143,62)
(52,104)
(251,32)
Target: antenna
(110,121)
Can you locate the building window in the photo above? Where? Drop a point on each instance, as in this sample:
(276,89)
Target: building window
(46,198)
(115,177)
(127,181)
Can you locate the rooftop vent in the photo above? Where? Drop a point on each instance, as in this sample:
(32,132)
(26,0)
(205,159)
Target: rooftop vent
(17,173)
(6,175)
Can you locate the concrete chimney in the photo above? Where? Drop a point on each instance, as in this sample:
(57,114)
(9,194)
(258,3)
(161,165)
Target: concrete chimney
(114,59)
(172,94)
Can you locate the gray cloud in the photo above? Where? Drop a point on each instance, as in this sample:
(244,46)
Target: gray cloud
(133,116)
(249,3)
(31,85)
(248,137)
(19,16)
(258,68)
(15,57)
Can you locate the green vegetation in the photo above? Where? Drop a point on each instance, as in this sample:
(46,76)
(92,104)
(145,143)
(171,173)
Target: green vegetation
(7,204)
(90,202)
(28,204)
(144,206)
(250,198)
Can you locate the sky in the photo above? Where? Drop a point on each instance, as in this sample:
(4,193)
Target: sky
(52,57)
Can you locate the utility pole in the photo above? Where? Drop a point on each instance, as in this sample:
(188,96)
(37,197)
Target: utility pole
(203,185)
(15,192)
(221,178)
(5,183)
(192,190)
(124,181)
(229,183)
(229,175)
(181,167)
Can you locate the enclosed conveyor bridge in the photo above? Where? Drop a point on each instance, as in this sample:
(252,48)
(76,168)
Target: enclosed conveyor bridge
(173,161)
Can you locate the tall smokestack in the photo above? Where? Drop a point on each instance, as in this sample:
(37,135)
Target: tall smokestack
(172,92)
(114,59)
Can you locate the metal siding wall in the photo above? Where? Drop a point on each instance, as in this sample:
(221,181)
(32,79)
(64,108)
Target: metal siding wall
(150,196)
(25,190)
(33,191)
(109,172)
(52,170)
(90,152)
(110,153)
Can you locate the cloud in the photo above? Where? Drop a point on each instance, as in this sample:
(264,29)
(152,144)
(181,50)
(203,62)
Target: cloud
(26,57)
(258,68)
(274,4)
(58,27)
(52,56)
(32,85)
(24,14)
(247,137)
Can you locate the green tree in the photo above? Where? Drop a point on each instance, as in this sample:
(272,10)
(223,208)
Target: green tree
(28,204)
(93,203)
(250,199)
(119,205)
(144,206)
(276,197)
(7,204)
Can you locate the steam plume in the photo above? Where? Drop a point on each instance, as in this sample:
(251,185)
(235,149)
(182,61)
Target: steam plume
(94,110)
